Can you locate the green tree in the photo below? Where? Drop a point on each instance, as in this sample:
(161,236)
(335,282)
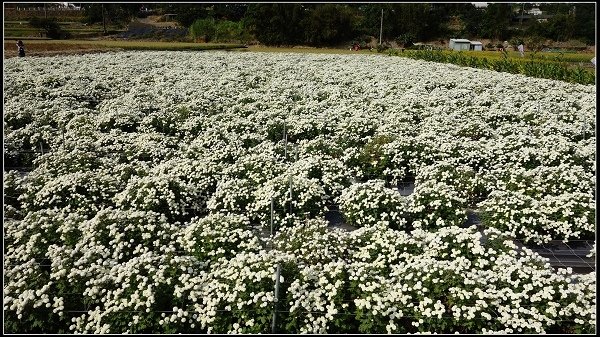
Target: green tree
(187,14)
(329,24)
(406,40)
(277,24)
(114,13)
(534,43)
(230,11)
(585,22)
(496,21)
(369,20)
(424,21)
(561,27)
(473,19)
(49,26)
(568,21)
(203,29)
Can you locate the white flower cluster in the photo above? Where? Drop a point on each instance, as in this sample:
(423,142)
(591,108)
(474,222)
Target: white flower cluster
(463,179)
(218,236)
(136,214)
(436,204)
(294,197)
(566,216)
(373,203)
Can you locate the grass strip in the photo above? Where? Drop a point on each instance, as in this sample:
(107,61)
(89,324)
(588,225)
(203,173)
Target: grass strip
(533,65)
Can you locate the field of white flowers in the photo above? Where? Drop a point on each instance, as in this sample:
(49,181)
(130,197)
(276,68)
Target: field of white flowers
(151,171)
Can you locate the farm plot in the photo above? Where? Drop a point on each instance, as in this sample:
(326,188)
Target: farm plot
(136,185)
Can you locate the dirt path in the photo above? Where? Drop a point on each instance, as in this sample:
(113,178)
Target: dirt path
(153,20)
(51,49)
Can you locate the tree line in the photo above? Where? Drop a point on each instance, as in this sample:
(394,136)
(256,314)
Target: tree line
(322,24)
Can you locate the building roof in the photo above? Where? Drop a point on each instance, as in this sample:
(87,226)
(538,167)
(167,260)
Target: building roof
(476,42)
(460,40)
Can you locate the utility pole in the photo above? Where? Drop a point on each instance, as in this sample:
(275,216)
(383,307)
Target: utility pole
(103,20)
(272,215)
(522,11)
(381,27)
(284,141)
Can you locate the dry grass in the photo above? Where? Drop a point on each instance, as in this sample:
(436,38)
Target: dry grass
(307,50)
(45,48)
(68,47)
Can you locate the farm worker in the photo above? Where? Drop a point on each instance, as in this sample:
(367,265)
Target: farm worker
(21,48)
(521,50)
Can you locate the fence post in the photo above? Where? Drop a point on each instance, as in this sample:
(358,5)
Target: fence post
(276,300)
(306,214)
(291,195)
(284,141)
(272,213)
(296,151)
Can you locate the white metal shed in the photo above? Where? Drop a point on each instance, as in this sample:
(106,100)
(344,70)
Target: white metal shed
(460,44)
(476,45)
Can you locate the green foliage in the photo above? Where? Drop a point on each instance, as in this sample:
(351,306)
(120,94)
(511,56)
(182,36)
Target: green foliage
(550,69)
(49,26)
(210,30)
(114,13)
(473,20)
(406,39)
(187,14)
(535,43)
(329,24)
(496,21)
(372,160)
(277,24)
(203,29)
(383,47)
(424,21)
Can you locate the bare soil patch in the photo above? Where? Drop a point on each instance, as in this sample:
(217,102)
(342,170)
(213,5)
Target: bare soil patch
(52,49)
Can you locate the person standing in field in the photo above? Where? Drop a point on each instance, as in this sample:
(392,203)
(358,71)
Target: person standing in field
(21,48)
(521,50)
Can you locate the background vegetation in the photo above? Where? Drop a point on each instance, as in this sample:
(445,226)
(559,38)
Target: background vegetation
(331,24)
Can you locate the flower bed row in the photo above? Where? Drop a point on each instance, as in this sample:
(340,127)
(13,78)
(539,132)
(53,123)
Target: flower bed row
(142,275)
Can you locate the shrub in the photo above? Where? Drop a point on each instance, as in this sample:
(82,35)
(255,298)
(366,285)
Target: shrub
(49,26)
(373,161)
(203,29)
